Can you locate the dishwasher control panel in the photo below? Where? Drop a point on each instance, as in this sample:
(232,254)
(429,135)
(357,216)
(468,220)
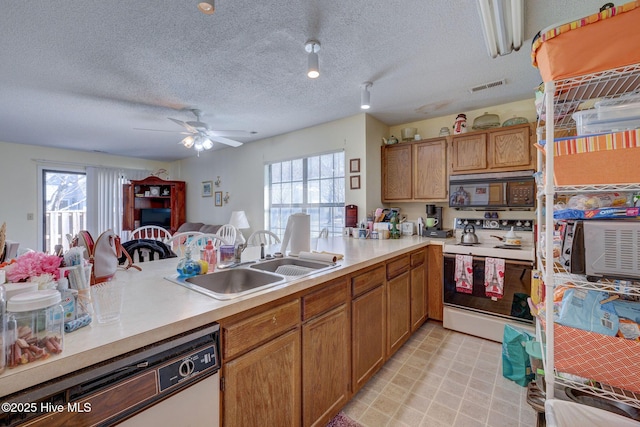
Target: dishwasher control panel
(183,369)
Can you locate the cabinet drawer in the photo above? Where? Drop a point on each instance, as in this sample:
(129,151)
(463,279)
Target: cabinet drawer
(331,295)
(397,266)
(417,258)
(369,280)
(247,333)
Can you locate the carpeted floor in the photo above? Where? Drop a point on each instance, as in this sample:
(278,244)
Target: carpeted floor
(341,420)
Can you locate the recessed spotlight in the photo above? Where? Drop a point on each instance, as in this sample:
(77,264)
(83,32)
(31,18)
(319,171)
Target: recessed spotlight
(207,7)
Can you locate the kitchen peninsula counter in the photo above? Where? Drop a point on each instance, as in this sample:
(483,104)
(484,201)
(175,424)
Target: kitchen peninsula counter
(156,309)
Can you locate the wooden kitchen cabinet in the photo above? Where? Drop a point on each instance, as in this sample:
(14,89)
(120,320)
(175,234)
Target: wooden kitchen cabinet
(419,309)
(415,171)
(368,325)
(398,303)
(435,284)
(396,172)
(262,387)
(154,192)
(325,353)
(494,150)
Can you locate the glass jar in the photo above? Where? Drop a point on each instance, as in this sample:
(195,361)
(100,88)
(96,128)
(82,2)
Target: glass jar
(35,327)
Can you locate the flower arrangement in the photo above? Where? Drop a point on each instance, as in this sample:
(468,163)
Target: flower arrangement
(34,267)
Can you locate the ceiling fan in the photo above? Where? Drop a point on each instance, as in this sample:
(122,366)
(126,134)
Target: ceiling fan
(200,137)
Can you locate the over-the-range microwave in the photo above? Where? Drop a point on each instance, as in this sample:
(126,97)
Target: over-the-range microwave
(492,190)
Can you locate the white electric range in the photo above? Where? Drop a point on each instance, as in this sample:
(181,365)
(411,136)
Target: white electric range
(478,313)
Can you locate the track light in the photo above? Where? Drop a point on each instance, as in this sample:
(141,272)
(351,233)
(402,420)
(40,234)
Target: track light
(313,70)
(365,96)
(207,7)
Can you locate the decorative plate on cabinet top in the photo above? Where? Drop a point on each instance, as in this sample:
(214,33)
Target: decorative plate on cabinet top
(515,121)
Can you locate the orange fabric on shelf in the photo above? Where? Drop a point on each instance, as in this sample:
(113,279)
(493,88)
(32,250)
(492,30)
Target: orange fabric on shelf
(595,46)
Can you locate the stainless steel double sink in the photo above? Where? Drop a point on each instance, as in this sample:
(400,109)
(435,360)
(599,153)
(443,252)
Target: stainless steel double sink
(238,281)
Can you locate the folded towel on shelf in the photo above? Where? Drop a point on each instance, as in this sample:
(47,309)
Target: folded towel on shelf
(494,277)
(464,274)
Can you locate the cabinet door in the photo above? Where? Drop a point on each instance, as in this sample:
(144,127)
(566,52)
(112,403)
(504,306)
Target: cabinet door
(398,312)
(430,170)
(418,290)
(469,153)
(325,366)
(262,387)
(368,335)
(435,282)
(510,148)
(396,172)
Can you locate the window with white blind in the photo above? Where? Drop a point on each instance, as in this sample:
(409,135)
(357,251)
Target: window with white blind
(314,185)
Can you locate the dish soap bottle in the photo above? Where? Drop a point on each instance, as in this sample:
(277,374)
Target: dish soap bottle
(210,255)
(188,267)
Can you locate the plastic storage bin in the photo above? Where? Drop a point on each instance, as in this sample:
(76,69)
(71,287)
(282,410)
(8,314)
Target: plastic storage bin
(619,108)
(588,122)
(35,327)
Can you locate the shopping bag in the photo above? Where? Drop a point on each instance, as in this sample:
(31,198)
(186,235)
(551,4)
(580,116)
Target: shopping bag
(516,365)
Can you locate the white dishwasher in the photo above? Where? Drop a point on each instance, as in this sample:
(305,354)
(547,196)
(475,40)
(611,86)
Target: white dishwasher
(172,382)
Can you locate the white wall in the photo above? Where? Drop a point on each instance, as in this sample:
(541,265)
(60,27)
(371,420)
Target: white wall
(19,177)
(241,169)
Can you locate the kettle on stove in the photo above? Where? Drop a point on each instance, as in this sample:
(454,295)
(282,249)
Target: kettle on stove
(469,236)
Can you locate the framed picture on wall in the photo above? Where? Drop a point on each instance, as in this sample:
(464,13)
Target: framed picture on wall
(206,188)
(355,182)
(354,165)
(218,198)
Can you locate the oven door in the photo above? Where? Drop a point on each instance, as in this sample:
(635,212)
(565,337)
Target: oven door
(516,290)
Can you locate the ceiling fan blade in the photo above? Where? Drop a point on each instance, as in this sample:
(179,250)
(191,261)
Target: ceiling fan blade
(231,132)
(184,125)
(226,141)
(162,130)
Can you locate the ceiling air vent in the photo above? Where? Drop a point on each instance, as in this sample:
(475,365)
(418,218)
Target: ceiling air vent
(488,85)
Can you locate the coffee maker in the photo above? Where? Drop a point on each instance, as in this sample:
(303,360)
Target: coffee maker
(437,231)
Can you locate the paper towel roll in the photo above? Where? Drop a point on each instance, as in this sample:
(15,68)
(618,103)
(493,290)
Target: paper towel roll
(298,234)
(316,256)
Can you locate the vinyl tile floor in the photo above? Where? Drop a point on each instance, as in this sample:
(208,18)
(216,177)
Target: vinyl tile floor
(442,378)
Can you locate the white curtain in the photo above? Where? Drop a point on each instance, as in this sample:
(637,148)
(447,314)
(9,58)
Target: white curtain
(104,197)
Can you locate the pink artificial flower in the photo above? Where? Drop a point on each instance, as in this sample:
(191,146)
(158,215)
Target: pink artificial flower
(33,264)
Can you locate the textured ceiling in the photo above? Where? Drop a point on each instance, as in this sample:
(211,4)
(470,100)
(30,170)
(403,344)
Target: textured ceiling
(88,74)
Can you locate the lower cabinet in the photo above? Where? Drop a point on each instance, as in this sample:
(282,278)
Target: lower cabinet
(419,309)
(325,352)
(435,281)
(262,387)
(368,319)
(325,366)
(398,303)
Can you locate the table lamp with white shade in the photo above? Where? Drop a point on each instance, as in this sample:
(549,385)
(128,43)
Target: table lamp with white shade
(239,220)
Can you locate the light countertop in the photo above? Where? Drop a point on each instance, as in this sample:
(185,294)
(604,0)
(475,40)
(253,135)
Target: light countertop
(156,309)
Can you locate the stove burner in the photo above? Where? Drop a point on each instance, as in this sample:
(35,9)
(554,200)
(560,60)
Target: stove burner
(467,244)
(508,247)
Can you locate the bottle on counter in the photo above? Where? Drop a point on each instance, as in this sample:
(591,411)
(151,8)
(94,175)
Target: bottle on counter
(210,255)
(187,267)
(395,231)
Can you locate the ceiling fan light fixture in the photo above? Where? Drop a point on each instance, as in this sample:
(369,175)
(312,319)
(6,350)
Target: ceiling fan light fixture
(188,141)
(207,144)
(365,95)
(207,7)
(313,69)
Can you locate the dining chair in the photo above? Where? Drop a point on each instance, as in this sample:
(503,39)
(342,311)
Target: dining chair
(179,241)
(262,236)
(150,232)
(228,232)
(199,242)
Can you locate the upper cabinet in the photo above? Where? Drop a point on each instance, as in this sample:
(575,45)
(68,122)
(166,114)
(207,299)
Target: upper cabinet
(499,149)
(415,171)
